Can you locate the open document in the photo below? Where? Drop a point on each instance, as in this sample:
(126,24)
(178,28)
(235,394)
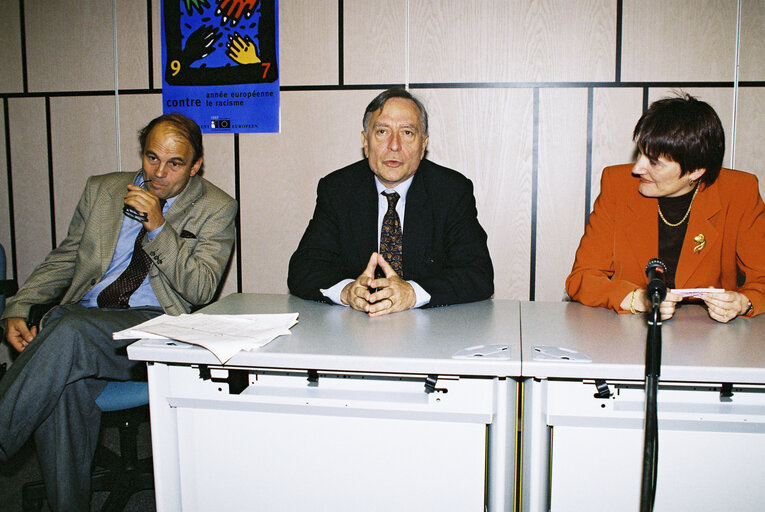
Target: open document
(223,335)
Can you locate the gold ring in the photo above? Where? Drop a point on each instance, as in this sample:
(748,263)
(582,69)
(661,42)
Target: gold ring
(391,302)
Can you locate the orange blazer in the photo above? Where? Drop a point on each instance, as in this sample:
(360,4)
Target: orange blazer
(622,235)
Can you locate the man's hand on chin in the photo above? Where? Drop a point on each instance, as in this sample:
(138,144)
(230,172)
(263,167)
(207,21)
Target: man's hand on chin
(393,293)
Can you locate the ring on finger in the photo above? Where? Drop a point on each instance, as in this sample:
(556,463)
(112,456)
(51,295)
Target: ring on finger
(391,302)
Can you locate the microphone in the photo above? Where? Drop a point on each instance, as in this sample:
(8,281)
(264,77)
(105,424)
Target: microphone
(656,270)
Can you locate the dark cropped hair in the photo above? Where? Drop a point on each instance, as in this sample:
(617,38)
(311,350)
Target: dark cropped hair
(396,92)
(684,130)
(182,126)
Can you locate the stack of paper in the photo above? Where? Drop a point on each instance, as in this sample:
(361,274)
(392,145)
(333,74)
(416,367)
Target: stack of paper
(223,335)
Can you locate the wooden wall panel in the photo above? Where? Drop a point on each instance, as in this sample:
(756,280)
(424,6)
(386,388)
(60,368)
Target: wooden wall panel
(675,40)
(156,43)
(92,151)
(132,45)
(751,61)
(750,152)
(561,187)
(374,43)
(476,41)
(614,115)
(10,47)
(308,42)
(487,135)
(31,205)
(70,45)
(136,110)
(321,132)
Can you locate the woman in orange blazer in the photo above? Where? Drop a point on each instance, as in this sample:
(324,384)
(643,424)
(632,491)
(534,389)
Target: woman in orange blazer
(706,223)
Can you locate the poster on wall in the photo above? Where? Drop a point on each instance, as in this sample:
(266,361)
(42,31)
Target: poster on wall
(220,63)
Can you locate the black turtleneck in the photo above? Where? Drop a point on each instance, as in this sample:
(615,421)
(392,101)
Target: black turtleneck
(671,238)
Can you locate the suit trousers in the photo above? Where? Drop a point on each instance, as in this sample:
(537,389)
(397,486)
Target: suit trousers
(51,389)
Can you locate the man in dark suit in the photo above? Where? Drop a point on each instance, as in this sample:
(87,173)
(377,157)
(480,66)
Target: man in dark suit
(112,271)
(357,252)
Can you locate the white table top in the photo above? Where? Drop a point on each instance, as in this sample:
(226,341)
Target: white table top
(327,337)
(695,348)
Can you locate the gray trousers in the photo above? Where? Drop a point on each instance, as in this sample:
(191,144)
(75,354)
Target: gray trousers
(51,388)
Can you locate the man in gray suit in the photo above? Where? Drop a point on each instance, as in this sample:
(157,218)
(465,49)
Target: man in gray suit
(112,271)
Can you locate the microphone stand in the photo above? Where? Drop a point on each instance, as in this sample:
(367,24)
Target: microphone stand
(651,427)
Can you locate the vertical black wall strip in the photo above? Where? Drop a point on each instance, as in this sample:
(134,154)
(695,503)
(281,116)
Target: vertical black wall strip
(645,99)
(534,180)
(150,44)
(588,176)
(340,50)
(48,136)
(8,166)
(238,221)
(23,33)
(618,64)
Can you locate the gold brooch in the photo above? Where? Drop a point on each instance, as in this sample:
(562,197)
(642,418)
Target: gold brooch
(700,241)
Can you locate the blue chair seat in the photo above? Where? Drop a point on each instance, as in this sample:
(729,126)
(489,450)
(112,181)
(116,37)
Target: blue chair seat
(118,396)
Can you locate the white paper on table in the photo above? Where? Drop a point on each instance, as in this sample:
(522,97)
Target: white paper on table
(695,292)
(223,335)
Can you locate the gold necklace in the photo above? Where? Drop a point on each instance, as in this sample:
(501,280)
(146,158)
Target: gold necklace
(684,216)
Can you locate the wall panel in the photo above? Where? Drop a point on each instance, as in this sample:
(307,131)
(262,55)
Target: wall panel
(70,45)
(487,135)
(374,43)
(321,132)
(675,40)
(93,151)
(308,42)
(136,110)
(614,115)
(11,79)
(561,185)
(750,152)
(132,45)
(752,64)
(31,204)
(476,41)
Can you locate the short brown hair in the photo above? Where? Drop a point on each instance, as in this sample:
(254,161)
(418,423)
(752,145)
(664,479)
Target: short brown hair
(684,130)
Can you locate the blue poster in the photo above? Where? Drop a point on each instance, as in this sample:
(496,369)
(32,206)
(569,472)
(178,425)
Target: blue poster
(220,63)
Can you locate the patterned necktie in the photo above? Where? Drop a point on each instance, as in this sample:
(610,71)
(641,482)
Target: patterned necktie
(117,294)
(391,237)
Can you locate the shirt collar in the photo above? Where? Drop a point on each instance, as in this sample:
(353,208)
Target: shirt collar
(402,188)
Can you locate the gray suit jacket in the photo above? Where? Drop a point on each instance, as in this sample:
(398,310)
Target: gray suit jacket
(188,256)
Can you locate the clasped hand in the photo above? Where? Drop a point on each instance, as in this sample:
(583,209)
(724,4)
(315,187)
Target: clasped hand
(380,296)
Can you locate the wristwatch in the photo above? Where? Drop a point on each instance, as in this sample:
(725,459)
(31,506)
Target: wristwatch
(748,309)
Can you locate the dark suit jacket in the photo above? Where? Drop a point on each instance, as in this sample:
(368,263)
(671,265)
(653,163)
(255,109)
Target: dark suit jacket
(622,235)
(444,249)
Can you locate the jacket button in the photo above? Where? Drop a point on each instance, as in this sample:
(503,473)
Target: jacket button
(92,282)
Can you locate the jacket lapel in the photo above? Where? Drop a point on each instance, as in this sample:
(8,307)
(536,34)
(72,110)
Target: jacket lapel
(641,236)
(364,203)
(111,223)
(414,223)
(701,223)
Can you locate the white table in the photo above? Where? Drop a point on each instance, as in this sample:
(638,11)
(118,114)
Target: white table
(336,416)
(581,452)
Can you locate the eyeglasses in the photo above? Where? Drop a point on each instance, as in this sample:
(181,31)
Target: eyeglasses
(132,213)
